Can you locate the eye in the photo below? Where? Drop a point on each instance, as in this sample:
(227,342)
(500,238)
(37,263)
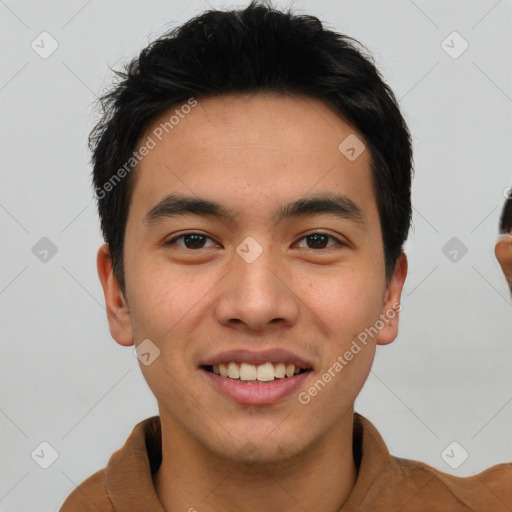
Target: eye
(318,240)
(191,240)
(195,240)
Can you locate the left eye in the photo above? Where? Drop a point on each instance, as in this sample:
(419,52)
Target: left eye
(196,240)
(318,239)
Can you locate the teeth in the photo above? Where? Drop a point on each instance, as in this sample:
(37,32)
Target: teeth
(280,370)
(265,372)
(249,372)
(233,370)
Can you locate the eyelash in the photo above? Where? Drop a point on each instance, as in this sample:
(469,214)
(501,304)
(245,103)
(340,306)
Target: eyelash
(173,240)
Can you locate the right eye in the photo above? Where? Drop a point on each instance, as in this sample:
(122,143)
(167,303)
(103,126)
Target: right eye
(191,238)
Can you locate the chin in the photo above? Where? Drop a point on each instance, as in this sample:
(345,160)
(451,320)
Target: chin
(287,440)
(254,453)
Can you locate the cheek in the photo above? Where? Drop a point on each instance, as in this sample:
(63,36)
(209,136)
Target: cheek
(165,309)
(333,392)
(163,302)
(346,301)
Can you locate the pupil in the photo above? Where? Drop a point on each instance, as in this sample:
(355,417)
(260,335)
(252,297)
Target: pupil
(316,238)
(194,238)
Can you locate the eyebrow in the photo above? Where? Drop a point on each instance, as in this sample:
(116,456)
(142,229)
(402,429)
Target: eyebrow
(337,205)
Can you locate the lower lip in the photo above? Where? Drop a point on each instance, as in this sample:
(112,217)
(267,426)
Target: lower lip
(257,394)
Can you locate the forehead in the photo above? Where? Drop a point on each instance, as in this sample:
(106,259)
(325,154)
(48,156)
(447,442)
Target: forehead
(253,149)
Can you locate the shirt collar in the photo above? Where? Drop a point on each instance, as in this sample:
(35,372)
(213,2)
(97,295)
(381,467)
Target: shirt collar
(128,475)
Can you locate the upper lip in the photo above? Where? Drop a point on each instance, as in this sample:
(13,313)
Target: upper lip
(258,357)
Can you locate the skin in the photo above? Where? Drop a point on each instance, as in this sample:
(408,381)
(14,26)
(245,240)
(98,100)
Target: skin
(503,252)
(253,153)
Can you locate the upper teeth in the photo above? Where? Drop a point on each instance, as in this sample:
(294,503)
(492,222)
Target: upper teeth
(262,372)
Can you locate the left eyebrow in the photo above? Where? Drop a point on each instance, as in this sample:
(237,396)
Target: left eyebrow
(337,205)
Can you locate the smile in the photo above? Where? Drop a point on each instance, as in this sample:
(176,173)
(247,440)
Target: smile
(261,384)
(252,373)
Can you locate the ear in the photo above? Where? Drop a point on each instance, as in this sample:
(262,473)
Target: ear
(503,252)
(392,307)
(118,312)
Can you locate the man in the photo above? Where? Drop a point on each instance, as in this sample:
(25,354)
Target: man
(503,249)
(253,175)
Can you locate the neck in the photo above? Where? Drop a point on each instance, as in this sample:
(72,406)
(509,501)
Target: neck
(319,478)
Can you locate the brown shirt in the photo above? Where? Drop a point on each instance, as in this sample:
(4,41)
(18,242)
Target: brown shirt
(384,483)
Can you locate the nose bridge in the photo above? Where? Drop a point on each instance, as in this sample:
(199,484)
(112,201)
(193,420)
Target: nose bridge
(255,278)
(254,292)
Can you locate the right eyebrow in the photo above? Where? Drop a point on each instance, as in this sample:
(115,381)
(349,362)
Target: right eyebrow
(174,205)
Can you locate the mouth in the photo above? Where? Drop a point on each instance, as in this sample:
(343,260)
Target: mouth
(255,373)
(266,376)
(261,383)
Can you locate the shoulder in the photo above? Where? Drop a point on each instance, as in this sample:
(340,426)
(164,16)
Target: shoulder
(90,496)
(490,490)
(387,482)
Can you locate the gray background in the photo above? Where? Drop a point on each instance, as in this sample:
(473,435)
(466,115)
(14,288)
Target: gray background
(65,381)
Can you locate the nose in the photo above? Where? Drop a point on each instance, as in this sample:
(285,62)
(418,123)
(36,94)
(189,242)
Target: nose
(257,296)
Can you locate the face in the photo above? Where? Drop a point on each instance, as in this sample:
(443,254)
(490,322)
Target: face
(260,284)
(503,251)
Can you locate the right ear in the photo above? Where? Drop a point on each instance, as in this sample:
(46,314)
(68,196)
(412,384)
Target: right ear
(118,312)
(503,252)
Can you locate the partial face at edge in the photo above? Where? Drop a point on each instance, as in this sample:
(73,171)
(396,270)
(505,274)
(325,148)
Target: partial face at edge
(195,297)
(503,252)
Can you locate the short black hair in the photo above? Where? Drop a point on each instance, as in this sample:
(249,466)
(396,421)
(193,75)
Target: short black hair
(506,216)
(255,49)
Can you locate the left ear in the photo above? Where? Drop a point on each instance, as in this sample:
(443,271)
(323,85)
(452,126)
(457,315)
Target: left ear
(391,307)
